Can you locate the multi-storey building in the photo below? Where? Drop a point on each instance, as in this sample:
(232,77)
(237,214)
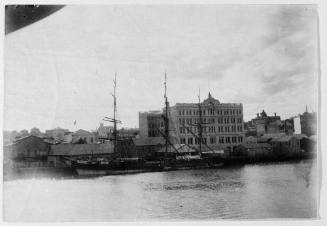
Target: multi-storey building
(221,124)
(150,123)
(264,124)
(308,123)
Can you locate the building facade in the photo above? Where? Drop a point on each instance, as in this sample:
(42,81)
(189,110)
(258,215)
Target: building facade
(150,123)
(105,132)
(83,137)
(308,122)
(264,124)
(221,124)
(57,134)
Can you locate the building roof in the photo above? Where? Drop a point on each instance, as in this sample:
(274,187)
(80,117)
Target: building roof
(282,139)
(149,141)
(256,145)
(300,136)
(24,138)
(273,135)
(81,131)
(56,130)
(81,149)
(154,112)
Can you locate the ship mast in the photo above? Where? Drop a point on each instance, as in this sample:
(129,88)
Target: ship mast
(166,117)
(114,120)
(115,112)
(200,124)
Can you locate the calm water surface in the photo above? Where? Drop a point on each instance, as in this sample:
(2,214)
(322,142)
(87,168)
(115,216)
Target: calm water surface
(278,190)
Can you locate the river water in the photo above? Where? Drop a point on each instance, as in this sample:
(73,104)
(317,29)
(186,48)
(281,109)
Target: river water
(277,190)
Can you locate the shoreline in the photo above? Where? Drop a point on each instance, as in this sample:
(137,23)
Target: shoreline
(71,173)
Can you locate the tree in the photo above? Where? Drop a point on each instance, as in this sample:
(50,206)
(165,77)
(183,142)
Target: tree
(35,132)
(23,133)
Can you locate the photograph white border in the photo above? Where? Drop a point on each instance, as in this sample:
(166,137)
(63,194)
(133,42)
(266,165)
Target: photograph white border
(322,138)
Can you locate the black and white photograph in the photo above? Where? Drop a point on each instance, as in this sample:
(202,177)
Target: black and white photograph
(161,112)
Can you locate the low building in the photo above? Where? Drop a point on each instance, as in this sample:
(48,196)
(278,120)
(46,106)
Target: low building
(62,154)
(176,151)
(146,147)
(56,134)
(126,133)
(68,137)
(251,140)
(286,145)
(27,152)
(255,151)
(83,137)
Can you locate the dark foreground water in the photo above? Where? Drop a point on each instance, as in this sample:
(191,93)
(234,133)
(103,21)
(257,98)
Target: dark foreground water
(278,190)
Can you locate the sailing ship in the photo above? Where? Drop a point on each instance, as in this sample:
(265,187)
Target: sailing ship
(182,159)
(120,164)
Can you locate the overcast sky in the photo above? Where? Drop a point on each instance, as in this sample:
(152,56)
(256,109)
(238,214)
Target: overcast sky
(61,68)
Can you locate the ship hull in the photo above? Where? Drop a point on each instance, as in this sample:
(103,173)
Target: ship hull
(96,170)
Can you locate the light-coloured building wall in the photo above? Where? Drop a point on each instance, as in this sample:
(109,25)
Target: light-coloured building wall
(222,123)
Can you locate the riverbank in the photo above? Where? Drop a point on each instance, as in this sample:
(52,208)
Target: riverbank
(71,172)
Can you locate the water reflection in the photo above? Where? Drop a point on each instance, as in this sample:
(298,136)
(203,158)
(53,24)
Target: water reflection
(252,191)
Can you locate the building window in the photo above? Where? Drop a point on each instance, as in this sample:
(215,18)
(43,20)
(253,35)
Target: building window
(212,140)
(221,140)
(228,140)
(204,140)
(190,140)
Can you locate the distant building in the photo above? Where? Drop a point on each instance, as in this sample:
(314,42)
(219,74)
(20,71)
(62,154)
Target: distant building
(264,124)
(287,126)
(27,151)
(36,132)
(104,132)
(128,132)
(150,123)
(83,137)
(308,123)
(68,137)
(60,155)
(146,147)
(56,134)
